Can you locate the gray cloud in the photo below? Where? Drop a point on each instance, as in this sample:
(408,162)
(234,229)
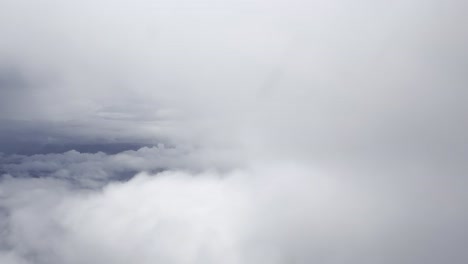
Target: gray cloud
(353,77)
(365,100)
(97,169)
(277,213)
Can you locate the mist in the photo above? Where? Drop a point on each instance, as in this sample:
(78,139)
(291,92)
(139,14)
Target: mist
(233,132)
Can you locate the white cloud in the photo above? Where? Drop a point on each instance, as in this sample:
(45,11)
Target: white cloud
(275,213)
(365,98)
(278,214)
(97,169)
(235,73)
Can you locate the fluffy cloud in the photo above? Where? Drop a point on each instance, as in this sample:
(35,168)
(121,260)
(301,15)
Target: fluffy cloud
(280,214)
(259,74)
(294,132)
(97,169)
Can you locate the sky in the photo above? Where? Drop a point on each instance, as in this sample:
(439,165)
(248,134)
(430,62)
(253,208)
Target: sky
(233,131)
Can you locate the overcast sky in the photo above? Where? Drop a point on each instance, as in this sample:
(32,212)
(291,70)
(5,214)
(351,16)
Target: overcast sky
(233,131)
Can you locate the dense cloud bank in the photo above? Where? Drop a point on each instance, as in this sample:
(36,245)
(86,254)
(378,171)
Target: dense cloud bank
(80,210)
(281,215)
(180,132)
(93,170)
(313,76)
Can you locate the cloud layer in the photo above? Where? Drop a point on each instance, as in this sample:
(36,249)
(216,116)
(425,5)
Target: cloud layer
(84,211)
(233,132)
(279,214)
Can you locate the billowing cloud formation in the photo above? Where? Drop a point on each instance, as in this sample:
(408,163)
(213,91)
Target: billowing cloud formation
(97,169)
(276,132)
(302,75)
(278,213)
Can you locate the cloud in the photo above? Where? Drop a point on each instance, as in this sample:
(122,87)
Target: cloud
(273,212)
(97,169)
(313,78)
(279,215)
(288,132)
